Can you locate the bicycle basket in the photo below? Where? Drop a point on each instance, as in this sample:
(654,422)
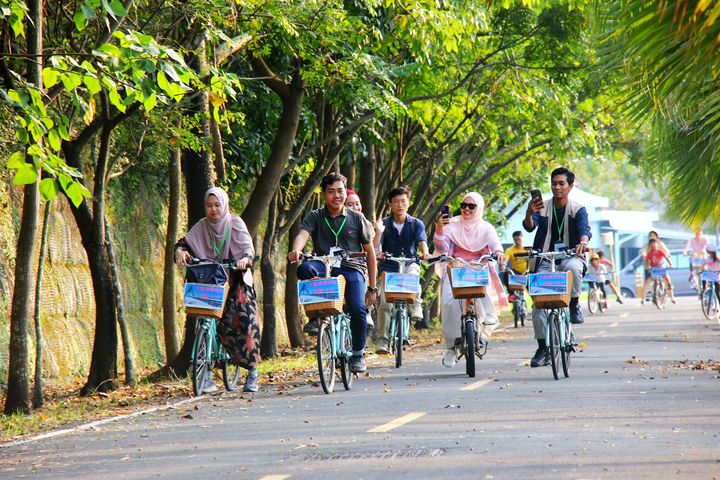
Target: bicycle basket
(322,296)
(204,299)
(550,290)
(698,262)
(710,276)
(591,279)
(207,273)
(658,273)
(400,286)
(468,281)
(517,283)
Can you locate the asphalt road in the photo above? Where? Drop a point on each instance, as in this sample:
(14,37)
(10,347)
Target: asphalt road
(635,406)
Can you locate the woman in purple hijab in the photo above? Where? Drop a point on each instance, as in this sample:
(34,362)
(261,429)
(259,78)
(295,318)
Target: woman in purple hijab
(221,236)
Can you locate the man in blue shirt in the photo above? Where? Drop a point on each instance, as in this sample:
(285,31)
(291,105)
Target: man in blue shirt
(402,236)
(561,223)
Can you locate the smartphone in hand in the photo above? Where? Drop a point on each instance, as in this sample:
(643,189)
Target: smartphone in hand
(535,194)
(445,210)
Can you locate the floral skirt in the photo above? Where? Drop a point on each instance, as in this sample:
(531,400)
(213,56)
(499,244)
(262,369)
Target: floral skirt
(238,329)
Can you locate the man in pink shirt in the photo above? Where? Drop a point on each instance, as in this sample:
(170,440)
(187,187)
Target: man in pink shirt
(696,247)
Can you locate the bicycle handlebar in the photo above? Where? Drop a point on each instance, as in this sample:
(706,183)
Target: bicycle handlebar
(447,258)
(565,253)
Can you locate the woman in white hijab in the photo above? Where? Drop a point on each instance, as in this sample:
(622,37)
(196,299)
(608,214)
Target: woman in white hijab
(468,236)
(223,236)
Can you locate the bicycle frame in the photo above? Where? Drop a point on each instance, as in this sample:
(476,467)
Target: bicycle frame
(400,306)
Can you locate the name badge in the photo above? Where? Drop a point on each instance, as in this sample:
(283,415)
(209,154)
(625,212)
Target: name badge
(560,246)
(333,251)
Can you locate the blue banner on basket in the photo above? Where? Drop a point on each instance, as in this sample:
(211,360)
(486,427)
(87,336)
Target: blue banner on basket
(658,272)
(402,283)
(469,277)
(203,295)
(548,284)
(518,280)
(698,261)
(710,276)
(591,278)
(318,290)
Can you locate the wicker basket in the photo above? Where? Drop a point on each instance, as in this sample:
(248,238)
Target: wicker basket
(330,307)
(206,312)
(464,292)
(392,297)
(556,300)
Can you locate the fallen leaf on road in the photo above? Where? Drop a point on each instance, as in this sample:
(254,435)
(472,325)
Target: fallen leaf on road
(187,417)
(452,406)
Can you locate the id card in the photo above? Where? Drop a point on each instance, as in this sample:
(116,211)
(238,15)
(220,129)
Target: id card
(559,247)
(333,251)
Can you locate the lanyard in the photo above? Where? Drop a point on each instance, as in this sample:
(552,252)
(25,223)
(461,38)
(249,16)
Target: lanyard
(222,244)
(336,234)
(559,224)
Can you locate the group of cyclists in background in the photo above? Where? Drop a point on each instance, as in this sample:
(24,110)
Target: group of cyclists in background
(559,222)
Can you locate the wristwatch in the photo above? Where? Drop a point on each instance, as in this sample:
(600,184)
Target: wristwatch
(372,289)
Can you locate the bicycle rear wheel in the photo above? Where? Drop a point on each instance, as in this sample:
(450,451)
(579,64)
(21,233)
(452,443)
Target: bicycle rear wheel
(201,361)
(554,339)
(567,347)
(602,301)
(470,343)
(709,304)
(345,373)
(399,334)
(593,300)
(659,296)
(326,362)
(230,372)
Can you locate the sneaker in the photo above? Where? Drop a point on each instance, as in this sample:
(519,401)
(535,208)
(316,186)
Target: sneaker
(370,322)
(357,364)
(576,315)
(312,327)
(450,358)
(489,320)
(382,347)
(540,359)
(251,382)
(620,300)
(209,386)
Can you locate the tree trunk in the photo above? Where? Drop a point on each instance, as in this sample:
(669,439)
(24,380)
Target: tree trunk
(293,319)
(117,290)
(367,193)
(18,396)
(218,151)
(172,345)
(347,168)
(37,398)
(282,146)
(268,342)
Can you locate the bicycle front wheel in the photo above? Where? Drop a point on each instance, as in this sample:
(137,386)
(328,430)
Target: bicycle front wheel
(567,346)
(593,300)
(709,305)
(470,343)
(659,295)
(399,334)
(201,361)
(326,362)
(345,373)
(554,339)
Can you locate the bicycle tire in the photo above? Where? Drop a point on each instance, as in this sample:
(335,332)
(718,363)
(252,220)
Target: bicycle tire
(201,360)
(345,373)
(554,340)
(708,304)
(230,372)
(326,362)
(567,347)
(593,300)
(602,301)
(659,297)
(470,343)
(399,334)
(516,312)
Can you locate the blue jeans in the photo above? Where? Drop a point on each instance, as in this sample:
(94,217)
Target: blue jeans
(355,288)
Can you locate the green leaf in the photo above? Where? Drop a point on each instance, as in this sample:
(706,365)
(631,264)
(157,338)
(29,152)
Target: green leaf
(109,49)
(25,175)
(75,192)
(50,77)
(114,98)
(71,81)
(80,21)
(49,189)
(92,83)
(163,82)
(54,140)
(16,160)
(150,102)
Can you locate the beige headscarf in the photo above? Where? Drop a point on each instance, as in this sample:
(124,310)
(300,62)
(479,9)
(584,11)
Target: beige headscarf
(472,234)
(224,238)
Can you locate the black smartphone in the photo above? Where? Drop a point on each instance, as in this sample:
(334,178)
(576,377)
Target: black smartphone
(445,210)
(535,194)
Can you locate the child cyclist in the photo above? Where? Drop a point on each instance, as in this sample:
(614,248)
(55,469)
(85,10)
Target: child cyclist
(599,271)
(656,257)
(712,265)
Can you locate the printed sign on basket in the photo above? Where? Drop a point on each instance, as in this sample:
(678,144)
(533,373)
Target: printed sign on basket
(698,262)
(469,277)
(591,278)
(658,272)
(548,283)
(202,295)
(402,283)
(319,290)
(710,276)
(518,280)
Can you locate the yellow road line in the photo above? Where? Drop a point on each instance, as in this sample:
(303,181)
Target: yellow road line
(398,422)
(275,477)
(476,385)
(613,325)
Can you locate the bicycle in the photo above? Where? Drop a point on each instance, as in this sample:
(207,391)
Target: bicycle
(551,292)
(400,290)
(659,290)
(323,298)
(697,261)
(709,298)
(207,301)
(517,285)
(468,281)
(596,297)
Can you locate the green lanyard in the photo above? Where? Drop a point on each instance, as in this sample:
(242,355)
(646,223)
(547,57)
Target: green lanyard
(559,224)
(337,234)
(219,249)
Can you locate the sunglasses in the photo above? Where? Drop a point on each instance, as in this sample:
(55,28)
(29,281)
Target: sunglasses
(469,206)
